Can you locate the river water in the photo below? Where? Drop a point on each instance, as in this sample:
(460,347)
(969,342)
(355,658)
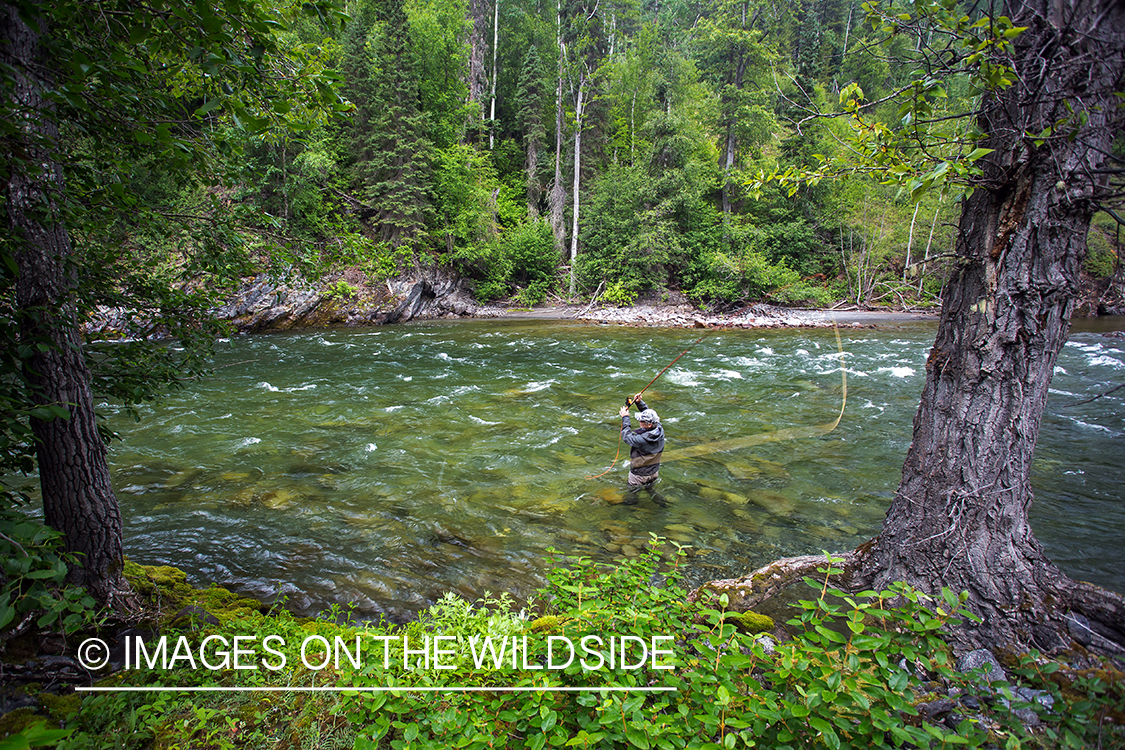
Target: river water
(383,467)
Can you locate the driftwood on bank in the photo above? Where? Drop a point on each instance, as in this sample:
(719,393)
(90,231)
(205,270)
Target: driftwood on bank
(770,581)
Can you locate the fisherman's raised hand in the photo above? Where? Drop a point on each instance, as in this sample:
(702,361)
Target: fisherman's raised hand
(624,411)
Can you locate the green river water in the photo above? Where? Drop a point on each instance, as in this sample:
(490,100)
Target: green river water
(383,467)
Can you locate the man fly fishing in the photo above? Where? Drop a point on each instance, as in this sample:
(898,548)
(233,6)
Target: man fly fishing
(646,443)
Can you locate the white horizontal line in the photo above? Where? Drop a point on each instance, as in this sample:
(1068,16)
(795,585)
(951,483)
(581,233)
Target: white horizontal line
(404,689)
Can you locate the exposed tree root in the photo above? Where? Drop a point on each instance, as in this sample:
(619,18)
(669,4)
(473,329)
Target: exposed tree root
(765,583)
(1104,613)
(1069,615)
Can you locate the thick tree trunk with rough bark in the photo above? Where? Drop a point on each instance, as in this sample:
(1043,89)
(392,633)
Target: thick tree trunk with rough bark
(960,516)
(78,498)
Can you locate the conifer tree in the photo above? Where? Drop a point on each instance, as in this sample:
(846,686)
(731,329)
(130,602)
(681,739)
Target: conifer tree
(530,100)
(732,57)
(389,150)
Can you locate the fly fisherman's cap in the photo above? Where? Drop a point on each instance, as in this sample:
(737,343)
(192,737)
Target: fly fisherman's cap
(648,415)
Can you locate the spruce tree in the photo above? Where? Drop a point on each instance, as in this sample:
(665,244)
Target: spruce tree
(530,99)
(390,154)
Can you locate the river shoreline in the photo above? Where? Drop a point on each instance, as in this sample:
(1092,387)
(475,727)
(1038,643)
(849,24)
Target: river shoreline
(265,305)
(685,316)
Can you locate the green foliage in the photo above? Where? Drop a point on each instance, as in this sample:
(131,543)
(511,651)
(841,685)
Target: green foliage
(150,138)
(34,735)
(851,677)
(438,29)
(616,293)
(743,272)
(1101,247)
(523,258)
(804,292)
(131,721)
(467,196)
(17,441)
(341,289)
(33,568)
(930,141)
(670,94)
(635,235)
(855,675)
(389,151)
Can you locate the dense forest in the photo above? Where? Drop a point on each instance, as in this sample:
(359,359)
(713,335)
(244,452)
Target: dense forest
(596,148)
(157,153)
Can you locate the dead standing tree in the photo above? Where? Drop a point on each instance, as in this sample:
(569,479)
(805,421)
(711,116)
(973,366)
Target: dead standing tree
(960,516)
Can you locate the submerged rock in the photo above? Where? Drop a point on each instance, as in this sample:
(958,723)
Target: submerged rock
(774,502)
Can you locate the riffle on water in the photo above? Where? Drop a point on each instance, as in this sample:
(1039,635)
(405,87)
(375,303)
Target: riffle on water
(386,466)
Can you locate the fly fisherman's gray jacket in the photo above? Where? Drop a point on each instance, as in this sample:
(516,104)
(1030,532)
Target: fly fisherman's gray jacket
(646,446)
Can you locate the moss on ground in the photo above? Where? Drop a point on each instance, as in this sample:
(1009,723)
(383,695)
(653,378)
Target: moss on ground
(168,591)
(753,623)
(18,720)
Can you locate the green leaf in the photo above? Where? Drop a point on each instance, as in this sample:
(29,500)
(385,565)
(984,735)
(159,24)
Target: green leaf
(7,614)
(826,731)
(637,738)
(35,735)
(37,575)
(209,106)
(632,703)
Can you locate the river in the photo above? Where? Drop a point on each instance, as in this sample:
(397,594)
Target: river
(383,467)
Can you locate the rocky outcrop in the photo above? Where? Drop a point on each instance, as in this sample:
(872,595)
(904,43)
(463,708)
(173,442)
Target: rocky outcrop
(267,303)
(271,302)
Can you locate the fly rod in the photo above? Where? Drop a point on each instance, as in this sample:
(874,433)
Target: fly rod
(629,400)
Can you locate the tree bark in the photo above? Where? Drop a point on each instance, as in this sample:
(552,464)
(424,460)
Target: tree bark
(78,498)
(731,138)
(960,516)
(478,48)
(728,166)
(577,176)
(556,197)
(909,242)
(492,92)
(532,169)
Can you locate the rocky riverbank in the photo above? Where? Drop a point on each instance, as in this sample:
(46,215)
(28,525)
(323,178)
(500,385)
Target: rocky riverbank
(268,303)
(753,316)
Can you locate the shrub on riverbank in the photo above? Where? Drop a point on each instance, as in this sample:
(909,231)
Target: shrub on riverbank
(865,671)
